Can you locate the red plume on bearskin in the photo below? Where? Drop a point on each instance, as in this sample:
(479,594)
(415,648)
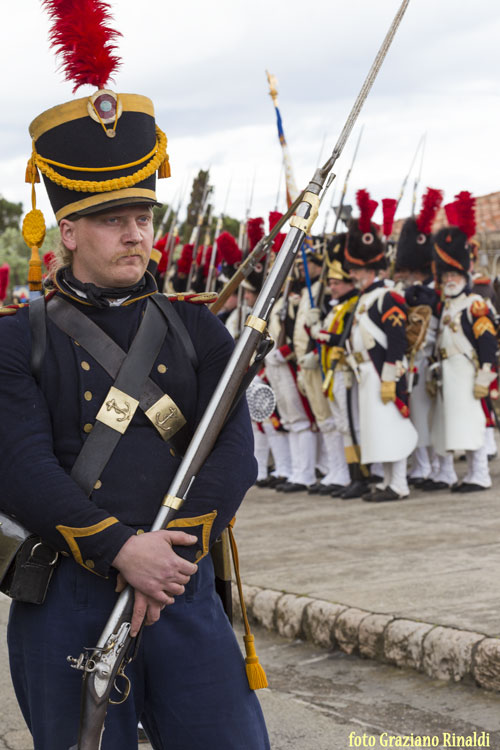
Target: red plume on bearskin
(451,214)
(82,37)
(185,260)
(466,218)
(366,209)
(274,217)
(389,206)
(228,248)
(4,280)
(255,231)
(431,201)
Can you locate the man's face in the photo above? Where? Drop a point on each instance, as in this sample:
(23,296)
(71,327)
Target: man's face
(110,249)
(453,283)
(339,287)
(363,277)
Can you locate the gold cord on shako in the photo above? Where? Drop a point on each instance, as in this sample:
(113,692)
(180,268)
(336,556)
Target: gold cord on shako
(65,139)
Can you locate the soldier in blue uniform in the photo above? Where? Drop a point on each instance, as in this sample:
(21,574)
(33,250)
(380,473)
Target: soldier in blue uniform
(189,686)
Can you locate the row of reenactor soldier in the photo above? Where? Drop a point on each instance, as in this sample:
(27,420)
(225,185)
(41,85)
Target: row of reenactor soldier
(385,359)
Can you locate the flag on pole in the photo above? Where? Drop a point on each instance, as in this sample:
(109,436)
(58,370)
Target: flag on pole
(291,188)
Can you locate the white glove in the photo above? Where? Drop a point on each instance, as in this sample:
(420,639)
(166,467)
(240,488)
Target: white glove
(300,383)
(484,377)
(312,316)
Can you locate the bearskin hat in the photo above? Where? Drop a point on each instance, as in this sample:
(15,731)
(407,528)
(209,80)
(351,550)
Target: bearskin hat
(414,248)
(451,250)
(364,247)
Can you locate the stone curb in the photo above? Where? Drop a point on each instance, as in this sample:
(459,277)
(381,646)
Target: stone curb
(443,653)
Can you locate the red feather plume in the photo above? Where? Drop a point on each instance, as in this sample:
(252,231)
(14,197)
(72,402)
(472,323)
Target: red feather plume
(81,36)
(255,231)
(430,203)
(274,217)
(389,206)
(366,209)
(228,248)
(4,280)
(466,218)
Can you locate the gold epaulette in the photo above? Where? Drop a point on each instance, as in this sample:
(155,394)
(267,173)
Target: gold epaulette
(479,308)
(203,298)
(12,309)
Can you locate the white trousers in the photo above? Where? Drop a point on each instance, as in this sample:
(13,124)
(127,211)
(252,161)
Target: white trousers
(303,448)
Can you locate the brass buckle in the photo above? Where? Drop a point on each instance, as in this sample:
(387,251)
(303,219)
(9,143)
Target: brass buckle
(443,354)
(117,410)
(359,357)
(166,417)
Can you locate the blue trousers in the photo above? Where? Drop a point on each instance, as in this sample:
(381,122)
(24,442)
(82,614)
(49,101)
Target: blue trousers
(189,686)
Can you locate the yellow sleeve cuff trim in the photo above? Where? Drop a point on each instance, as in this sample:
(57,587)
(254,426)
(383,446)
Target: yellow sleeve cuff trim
(71,533)
(206,522)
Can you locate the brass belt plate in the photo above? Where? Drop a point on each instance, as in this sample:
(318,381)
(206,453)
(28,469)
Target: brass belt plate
(117,410)
(166,417)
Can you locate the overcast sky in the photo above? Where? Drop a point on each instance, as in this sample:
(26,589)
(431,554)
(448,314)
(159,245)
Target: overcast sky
(204,64)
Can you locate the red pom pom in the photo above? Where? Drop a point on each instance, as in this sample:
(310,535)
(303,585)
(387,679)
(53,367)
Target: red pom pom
(366,210)
(255,231)
(466,218)
(185,260)
(83,39)
(49,259)
(430,204)
(274,217)
(4,280)
(228,248)
(389,206)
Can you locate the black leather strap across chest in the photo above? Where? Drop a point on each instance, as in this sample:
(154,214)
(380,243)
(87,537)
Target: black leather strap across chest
(132,388)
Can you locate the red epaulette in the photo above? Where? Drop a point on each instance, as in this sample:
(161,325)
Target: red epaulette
(203,298)
(479,308)
(398,298)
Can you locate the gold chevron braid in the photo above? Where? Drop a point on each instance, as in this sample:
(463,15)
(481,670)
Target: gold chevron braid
(105,186)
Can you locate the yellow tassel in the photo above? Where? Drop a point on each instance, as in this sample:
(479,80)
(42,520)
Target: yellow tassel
(164,168)
(32,174)
(255,672)
(35,271)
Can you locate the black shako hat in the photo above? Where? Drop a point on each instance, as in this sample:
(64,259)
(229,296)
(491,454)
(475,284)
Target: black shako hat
(98,152)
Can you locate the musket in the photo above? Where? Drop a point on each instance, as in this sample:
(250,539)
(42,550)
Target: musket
(100,665)
(418,177)
(218,230)
(403,186)
(170,246)
(197,232)
(251,260)
(244,253)
(338,212)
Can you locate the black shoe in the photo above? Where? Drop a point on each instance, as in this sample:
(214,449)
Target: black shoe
(355,489)
(281,486)
(262,482)
(492,456)
(295,487)
(337,490)
(273,481)
(471,487)
(327,489)
(314,489)
(429,485)
(382,496)
(374,479)
(416,481)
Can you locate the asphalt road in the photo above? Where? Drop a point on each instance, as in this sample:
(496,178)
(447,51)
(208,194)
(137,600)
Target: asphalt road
(319,700)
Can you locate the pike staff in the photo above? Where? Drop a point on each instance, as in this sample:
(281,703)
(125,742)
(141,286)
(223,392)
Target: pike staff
(101,665)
